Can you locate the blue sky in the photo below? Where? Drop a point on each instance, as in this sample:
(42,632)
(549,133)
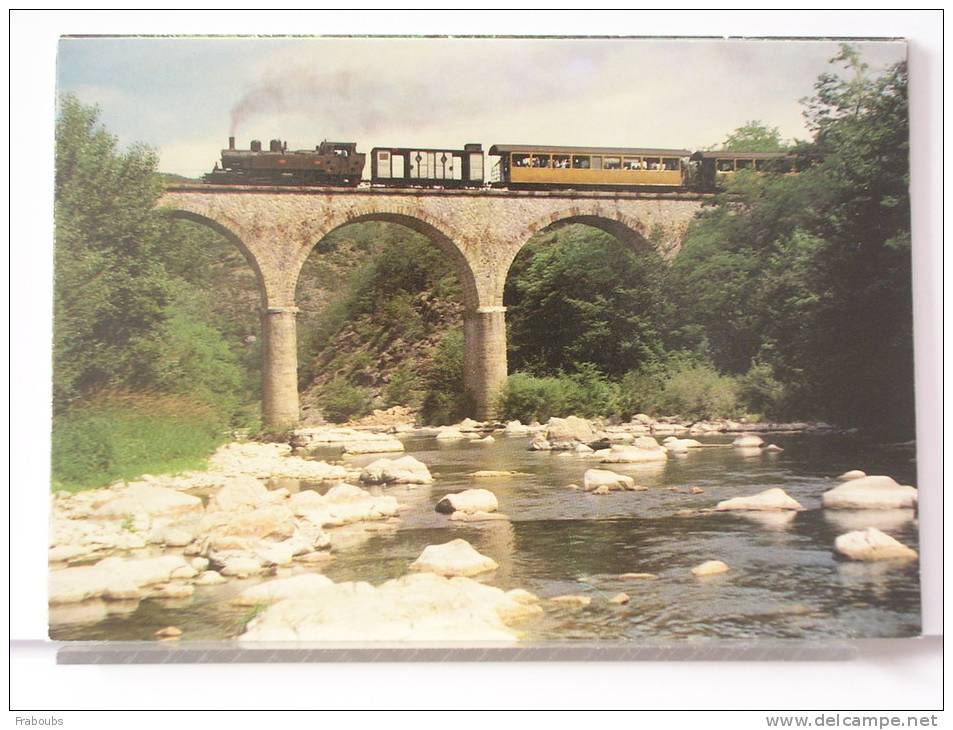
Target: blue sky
(183,95)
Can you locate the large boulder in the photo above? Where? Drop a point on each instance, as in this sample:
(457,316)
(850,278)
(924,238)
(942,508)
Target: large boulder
(469,501)
(307,585)
(872,544)
(270,460)
(113,578)
(72,539)
(647,442)
(515,428)
(241,494)
(539,443)
(619,454)
(680,446)
(564,433)
(748,441)
(457,557)
(770,500)
(405,470)
(145,499)
(451,433)
(874,492)
(342,504)
(593,479)
(415,608)
(373,446)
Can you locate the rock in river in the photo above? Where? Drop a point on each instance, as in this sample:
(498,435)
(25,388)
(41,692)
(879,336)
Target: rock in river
(515,428)
(875,492)
(872,544)
(852,474)
(112,578)
(454,558)
(414,608)
(595,478)
(145,499)
(709,567)
(469,500)
(306,585)
(564,433)
(270,460)
(619,454)
(747,441)
(375,446)
(405,470)
(768,500)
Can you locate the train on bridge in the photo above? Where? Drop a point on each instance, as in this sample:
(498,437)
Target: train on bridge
(517,167)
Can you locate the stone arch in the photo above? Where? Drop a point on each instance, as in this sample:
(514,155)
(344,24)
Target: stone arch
(630,232)
(232,237)
(437,231)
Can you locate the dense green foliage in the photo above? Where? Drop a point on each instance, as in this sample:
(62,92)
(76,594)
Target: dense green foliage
(125,436)
(809,275)
(575,295)
(791,296)
(754,136)
(134,313)
(341,401)
(446,400)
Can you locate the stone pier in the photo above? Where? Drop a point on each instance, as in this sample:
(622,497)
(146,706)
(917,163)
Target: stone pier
(480,231)
(279,387)
(484,361)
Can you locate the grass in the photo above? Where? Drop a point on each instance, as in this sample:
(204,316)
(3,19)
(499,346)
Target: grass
(123,436)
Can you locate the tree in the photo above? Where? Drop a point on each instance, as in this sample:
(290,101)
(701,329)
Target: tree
(131,306)
(754,136)
(810,274)
(575,296)
(110,287)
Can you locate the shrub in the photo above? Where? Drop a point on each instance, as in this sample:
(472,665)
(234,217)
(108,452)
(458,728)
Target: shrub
(122,436)
(446,400)
(340,401)
(403,388)
(531,398)
(699,392)
(588,392)
(585,393)
(761,392)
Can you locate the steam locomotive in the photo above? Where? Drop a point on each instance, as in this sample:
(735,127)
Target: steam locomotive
(519,166)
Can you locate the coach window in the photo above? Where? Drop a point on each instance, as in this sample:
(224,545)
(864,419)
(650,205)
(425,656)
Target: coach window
(725,165)
(476,165)
(383,164)
(520,159)
(611,163)
(671,163)
(561,161)
(540,160)
(743,164)
(652,163)
(596,162)
(631,163)
(580,162)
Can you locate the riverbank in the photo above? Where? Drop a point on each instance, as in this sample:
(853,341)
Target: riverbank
(264,513)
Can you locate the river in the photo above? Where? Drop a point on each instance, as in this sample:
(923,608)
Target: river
(783,582)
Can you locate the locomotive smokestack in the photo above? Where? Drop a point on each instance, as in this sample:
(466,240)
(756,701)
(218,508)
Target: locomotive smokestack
(231,143)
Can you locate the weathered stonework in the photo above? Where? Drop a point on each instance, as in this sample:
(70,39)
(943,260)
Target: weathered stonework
(481,231)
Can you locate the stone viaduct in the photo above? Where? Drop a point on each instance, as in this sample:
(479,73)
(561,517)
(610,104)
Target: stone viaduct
(480,231)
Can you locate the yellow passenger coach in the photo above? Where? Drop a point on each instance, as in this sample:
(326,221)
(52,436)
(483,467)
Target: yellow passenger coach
(540,166)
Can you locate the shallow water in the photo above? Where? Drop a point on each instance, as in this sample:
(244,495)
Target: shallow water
(784,581)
